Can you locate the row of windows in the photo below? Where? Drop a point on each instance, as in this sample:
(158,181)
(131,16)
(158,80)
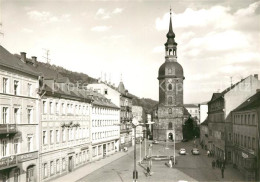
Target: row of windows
(16,87)
(59,165)
(244,119)
(11,147)
(216,105)
(218,117)
(16,112)
(98,123)
(244,141)
(105,111)
(53,107)
(66,135)
(97,150)
(104,134)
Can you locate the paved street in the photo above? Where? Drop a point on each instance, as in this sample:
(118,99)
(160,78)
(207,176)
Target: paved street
(189,167)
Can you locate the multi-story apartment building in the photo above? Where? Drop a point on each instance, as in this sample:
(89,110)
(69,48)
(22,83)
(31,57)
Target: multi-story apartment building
(126,117)
(204,134)
(193,110)
(138,112)
(122,99)
(105,128)
(246,130)
(18,119)
(219,114)
(203,112)
(64,129)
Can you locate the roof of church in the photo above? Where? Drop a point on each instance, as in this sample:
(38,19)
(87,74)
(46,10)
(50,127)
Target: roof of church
(177,70)
(170,35)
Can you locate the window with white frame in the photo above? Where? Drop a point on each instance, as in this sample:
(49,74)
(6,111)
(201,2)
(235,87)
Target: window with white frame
(4,148)
(16,146)
(30,143)
(29,115)
(44,137)
(57,136)
(63,164)
(51,108)
(5,85)
(52,167)
(45,170)
(57,108)
(63,135)
(17,115)
(63,108)
(29,89)
(51,137)
(57,165)
(44,104)
(5,114)
(16,87)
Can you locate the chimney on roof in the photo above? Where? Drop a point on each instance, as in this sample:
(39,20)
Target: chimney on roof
(23,56)
(256,76)
(34,60)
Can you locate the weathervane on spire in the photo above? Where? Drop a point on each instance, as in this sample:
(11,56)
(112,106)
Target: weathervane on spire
(170,10)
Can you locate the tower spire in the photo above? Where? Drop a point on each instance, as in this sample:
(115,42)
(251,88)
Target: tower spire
(170,45)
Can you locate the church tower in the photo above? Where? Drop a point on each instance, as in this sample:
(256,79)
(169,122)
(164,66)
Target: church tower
(170,108)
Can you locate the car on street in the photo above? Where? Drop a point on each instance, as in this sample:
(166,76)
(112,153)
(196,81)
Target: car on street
(195,151)
(182,151)
(155,142)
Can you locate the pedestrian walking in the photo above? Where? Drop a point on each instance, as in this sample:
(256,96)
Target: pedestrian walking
(208,153)
(213,164)
(217,162)
(222,171)
(220,164)
(170,163)
(148,171)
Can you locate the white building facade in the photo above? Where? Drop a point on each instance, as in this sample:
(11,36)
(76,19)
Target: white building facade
(105,129)
(18,119)
(65,131)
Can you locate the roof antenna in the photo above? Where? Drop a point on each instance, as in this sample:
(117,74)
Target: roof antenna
(231,81)
(48,60)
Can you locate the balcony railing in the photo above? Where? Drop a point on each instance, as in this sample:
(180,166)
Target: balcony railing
(8,128)
(7,162)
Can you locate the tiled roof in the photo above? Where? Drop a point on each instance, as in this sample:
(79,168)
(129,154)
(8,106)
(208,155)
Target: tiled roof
(251,103)
(186,112)
(9,60)
(190,105)
(205,122)
(218,95)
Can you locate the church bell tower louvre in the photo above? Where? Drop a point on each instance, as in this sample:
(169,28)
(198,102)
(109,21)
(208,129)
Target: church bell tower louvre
(170,109)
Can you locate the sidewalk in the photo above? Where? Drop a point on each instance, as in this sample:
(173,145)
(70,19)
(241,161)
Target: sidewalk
(91,167)
(230,174)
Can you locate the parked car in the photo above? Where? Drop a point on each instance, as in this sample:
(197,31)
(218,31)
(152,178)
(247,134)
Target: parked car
(182,151)
(155,142)
(195,151)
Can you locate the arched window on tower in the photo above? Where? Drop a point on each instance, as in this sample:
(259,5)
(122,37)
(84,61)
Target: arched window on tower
(170,126)
(170,110)
(170,51)
(170,87)
(169,100)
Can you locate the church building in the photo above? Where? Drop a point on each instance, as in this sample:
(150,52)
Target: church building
(170,110)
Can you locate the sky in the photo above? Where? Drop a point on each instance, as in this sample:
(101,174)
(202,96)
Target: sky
(218,40)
